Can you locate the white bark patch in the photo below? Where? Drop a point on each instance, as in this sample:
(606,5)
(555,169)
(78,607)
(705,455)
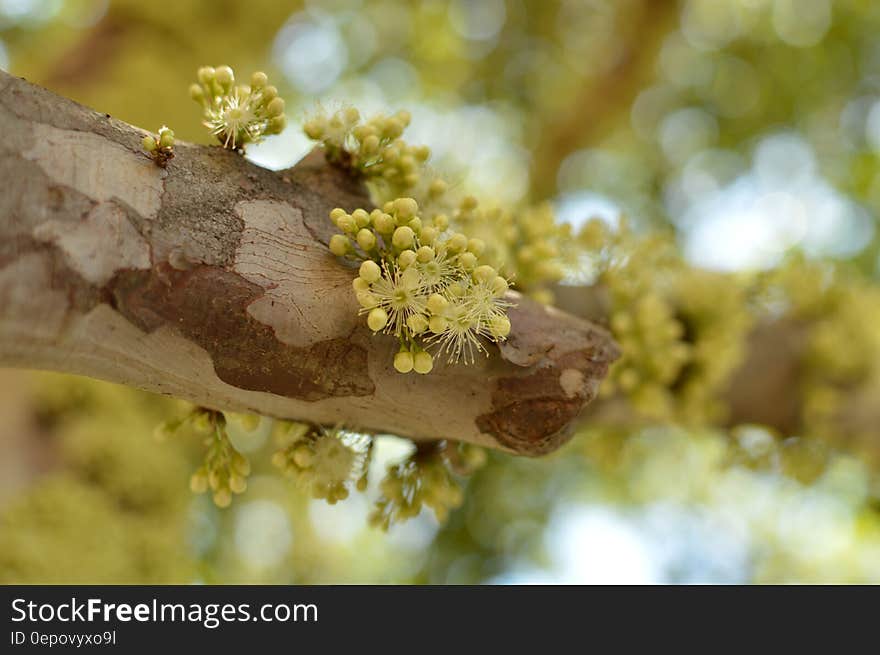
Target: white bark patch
(308,295)
(572,382)
(30,308)
(98,167)
(100,245)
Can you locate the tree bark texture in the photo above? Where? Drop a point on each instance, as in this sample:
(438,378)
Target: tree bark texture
(210,280)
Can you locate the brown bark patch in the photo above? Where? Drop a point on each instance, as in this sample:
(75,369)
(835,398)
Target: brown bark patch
(532,414)
(208,305)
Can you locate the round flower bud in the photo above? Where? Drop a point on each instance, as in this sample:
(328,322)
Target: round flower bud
(403,362)
(437,304)
(441,222)
(484,273)
(149,143)
(428,236)
(377,319)
(224,76)
(259,80)
(425,254)
(468,260)
(366,239)
(406,259)
(336,214)
(302,456)
(352,115)
(314,128)
(237,484)
(499,326)
(269,93)
(361,217)
(423,362)
(196,92)
(406,208)
(417,323)
(360,284)
(346,223)
(499,286)
(276,124)
(166,138)
(222,498)
(403,237)
(476,246)
(370,145)
(339,245)
(437,324)
(384,223)
(422,153)
(437,188)
(457,243)
(416,224)
(468,203)
(206,74)
(275,107)
(366,299)
(370,271)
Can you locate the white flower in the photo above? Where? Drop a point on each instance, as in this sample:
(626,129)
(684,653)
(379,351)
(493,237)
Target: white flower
(401,294)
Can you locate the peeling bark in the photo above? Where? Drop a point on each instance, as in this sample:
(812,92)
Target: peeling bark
(210,280)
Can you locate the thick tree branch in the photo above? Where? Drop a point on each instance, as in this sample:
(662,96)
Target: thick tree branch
(210,281)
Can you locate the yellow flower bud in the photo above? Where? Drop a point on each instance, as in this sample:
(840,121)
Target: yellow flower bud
(437,304)
(276,107)
(224,76)
(476,246)
(403,237)
(361,217)
(423,362)
(149,144)
(403,362)
(377,319)
(428,236)
(417,323)
(384,223)
(467,260)
(457,243)
(259,80)
(485,273)
(406,259)
(499,326)
(438,324)
(499,286)
(425,254)
(370,271)
(366,239)
(346,223)
(360,284)
(222,498)
(406,208)
(366,299)
(339,245)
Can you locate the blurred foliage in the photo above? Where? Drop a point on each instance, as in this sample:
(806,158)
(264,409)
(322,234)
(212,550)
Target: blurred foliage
(727,152)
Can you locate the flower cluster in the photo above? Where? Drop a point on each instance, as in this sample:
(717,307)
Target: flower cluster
(224,469)
(324,462)
(160,147)
(424,479)
(422,284)
(374,147)
(238,114)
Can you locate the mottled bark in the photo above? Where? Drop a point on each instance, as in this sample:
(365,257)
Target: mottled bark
(210,280)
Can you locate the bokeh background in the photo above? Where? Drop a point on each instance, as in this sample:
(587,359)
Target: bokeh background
(746,130)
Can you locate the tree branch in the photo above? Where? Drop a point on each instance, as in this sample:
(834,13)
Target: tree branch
(210,280)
